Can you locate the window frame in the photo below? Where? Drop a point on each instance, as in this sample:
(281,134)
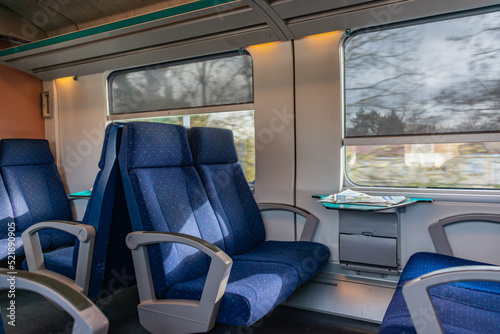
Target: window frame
(188,111)
(176,112)
(456,194)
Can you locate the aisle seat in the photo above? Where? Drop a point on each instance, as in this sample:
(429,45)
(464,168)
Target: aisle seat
(35,191)
(441,293)
(102,263)
(182,251)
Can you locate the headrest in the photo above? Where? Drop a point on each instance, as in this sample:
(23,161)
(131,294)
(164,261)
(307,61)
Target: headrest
(18,152)
(212,146)
(156,145)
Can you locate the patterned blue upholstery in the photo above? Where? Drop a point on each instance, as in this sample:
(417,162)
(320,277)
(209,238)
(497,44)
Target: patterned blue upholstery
(253,290)
(18,242)
(463,307)
(7,223)
(22,152)
(61,261)
(212,146)
(106,214)
(170,199)
(215,158)
(166,194)
(307,258)
(6,220)
(34,187)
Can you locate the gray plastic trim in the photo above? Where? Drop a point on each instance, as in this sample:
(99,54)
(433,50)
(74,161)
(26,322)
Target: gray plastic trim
(88,318)
(310,226)
(34,255)
(438,234)
(174,315)
(419,302)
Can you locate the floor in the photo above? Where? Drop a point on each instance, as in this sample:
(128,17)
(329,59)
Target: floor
(34,314)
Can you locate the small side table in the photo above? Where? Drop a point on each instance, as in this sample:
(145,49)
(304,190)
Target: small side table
(79,195)
(369,236)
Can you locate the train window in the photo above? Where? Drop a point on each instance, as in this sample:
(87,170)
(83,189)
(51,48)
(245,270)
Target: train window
(214,91)
(209,81)
(421,104)
(240,122)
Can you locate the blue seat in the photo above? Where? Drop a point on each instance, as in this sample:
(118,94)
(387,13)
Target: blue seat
(14,245)
(187,255)
(34,189)
(216,160)
(109,266)
(442,293)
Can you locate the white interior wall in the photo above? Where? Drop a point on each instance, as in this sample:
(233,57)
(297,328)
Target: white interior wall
(78,129)
(473,240)
(274,133)
(319,129)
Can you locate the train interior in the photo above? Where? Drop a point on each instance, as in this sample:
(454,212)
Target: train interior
(385,97)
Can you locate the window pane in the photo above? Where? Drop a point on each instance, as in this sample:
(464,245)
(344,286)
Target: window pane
(457,165)
(220,81)
(240,122)
(438,77)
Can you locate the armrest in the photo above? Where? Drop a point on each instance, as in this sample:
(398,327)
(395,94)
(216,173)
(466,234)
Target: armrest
(310,226)
(34,255)
(179,316)
(418,299)
(88,318)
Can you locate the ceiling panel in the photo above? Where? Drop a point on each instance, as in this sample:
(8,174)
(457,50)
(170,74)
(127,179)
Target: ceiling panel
(62,16)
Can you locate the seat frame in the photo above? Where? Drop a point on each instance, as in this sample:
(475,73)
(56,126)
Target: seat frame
(88,318)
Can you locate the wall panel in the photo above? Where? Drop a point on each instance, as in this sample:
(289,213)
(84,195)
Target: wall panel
(20,105)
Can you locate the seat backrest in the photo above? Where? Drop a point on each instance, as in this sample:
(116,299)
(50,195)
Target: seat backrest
(107,213)
(6,215)
(34,184)
(165,193)
(216,160)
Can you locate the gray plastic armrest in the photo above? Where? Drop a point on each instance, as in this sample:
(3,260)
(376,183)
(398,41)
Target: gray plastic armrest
(88,318)
(419,301)
(34,256)
(310,226)
(437,229)
(178,316)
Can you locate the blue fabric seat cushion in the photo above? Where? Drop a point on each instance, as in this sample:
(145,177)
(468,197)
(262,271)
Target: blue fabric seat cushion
(34,186)
(253,290)
(6,214)
(460,310)
(307,258)
(423,263)
(38,190)
(37,194)
(18,242)
(461,306)
(61,261)
(234,207)
(172,199)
